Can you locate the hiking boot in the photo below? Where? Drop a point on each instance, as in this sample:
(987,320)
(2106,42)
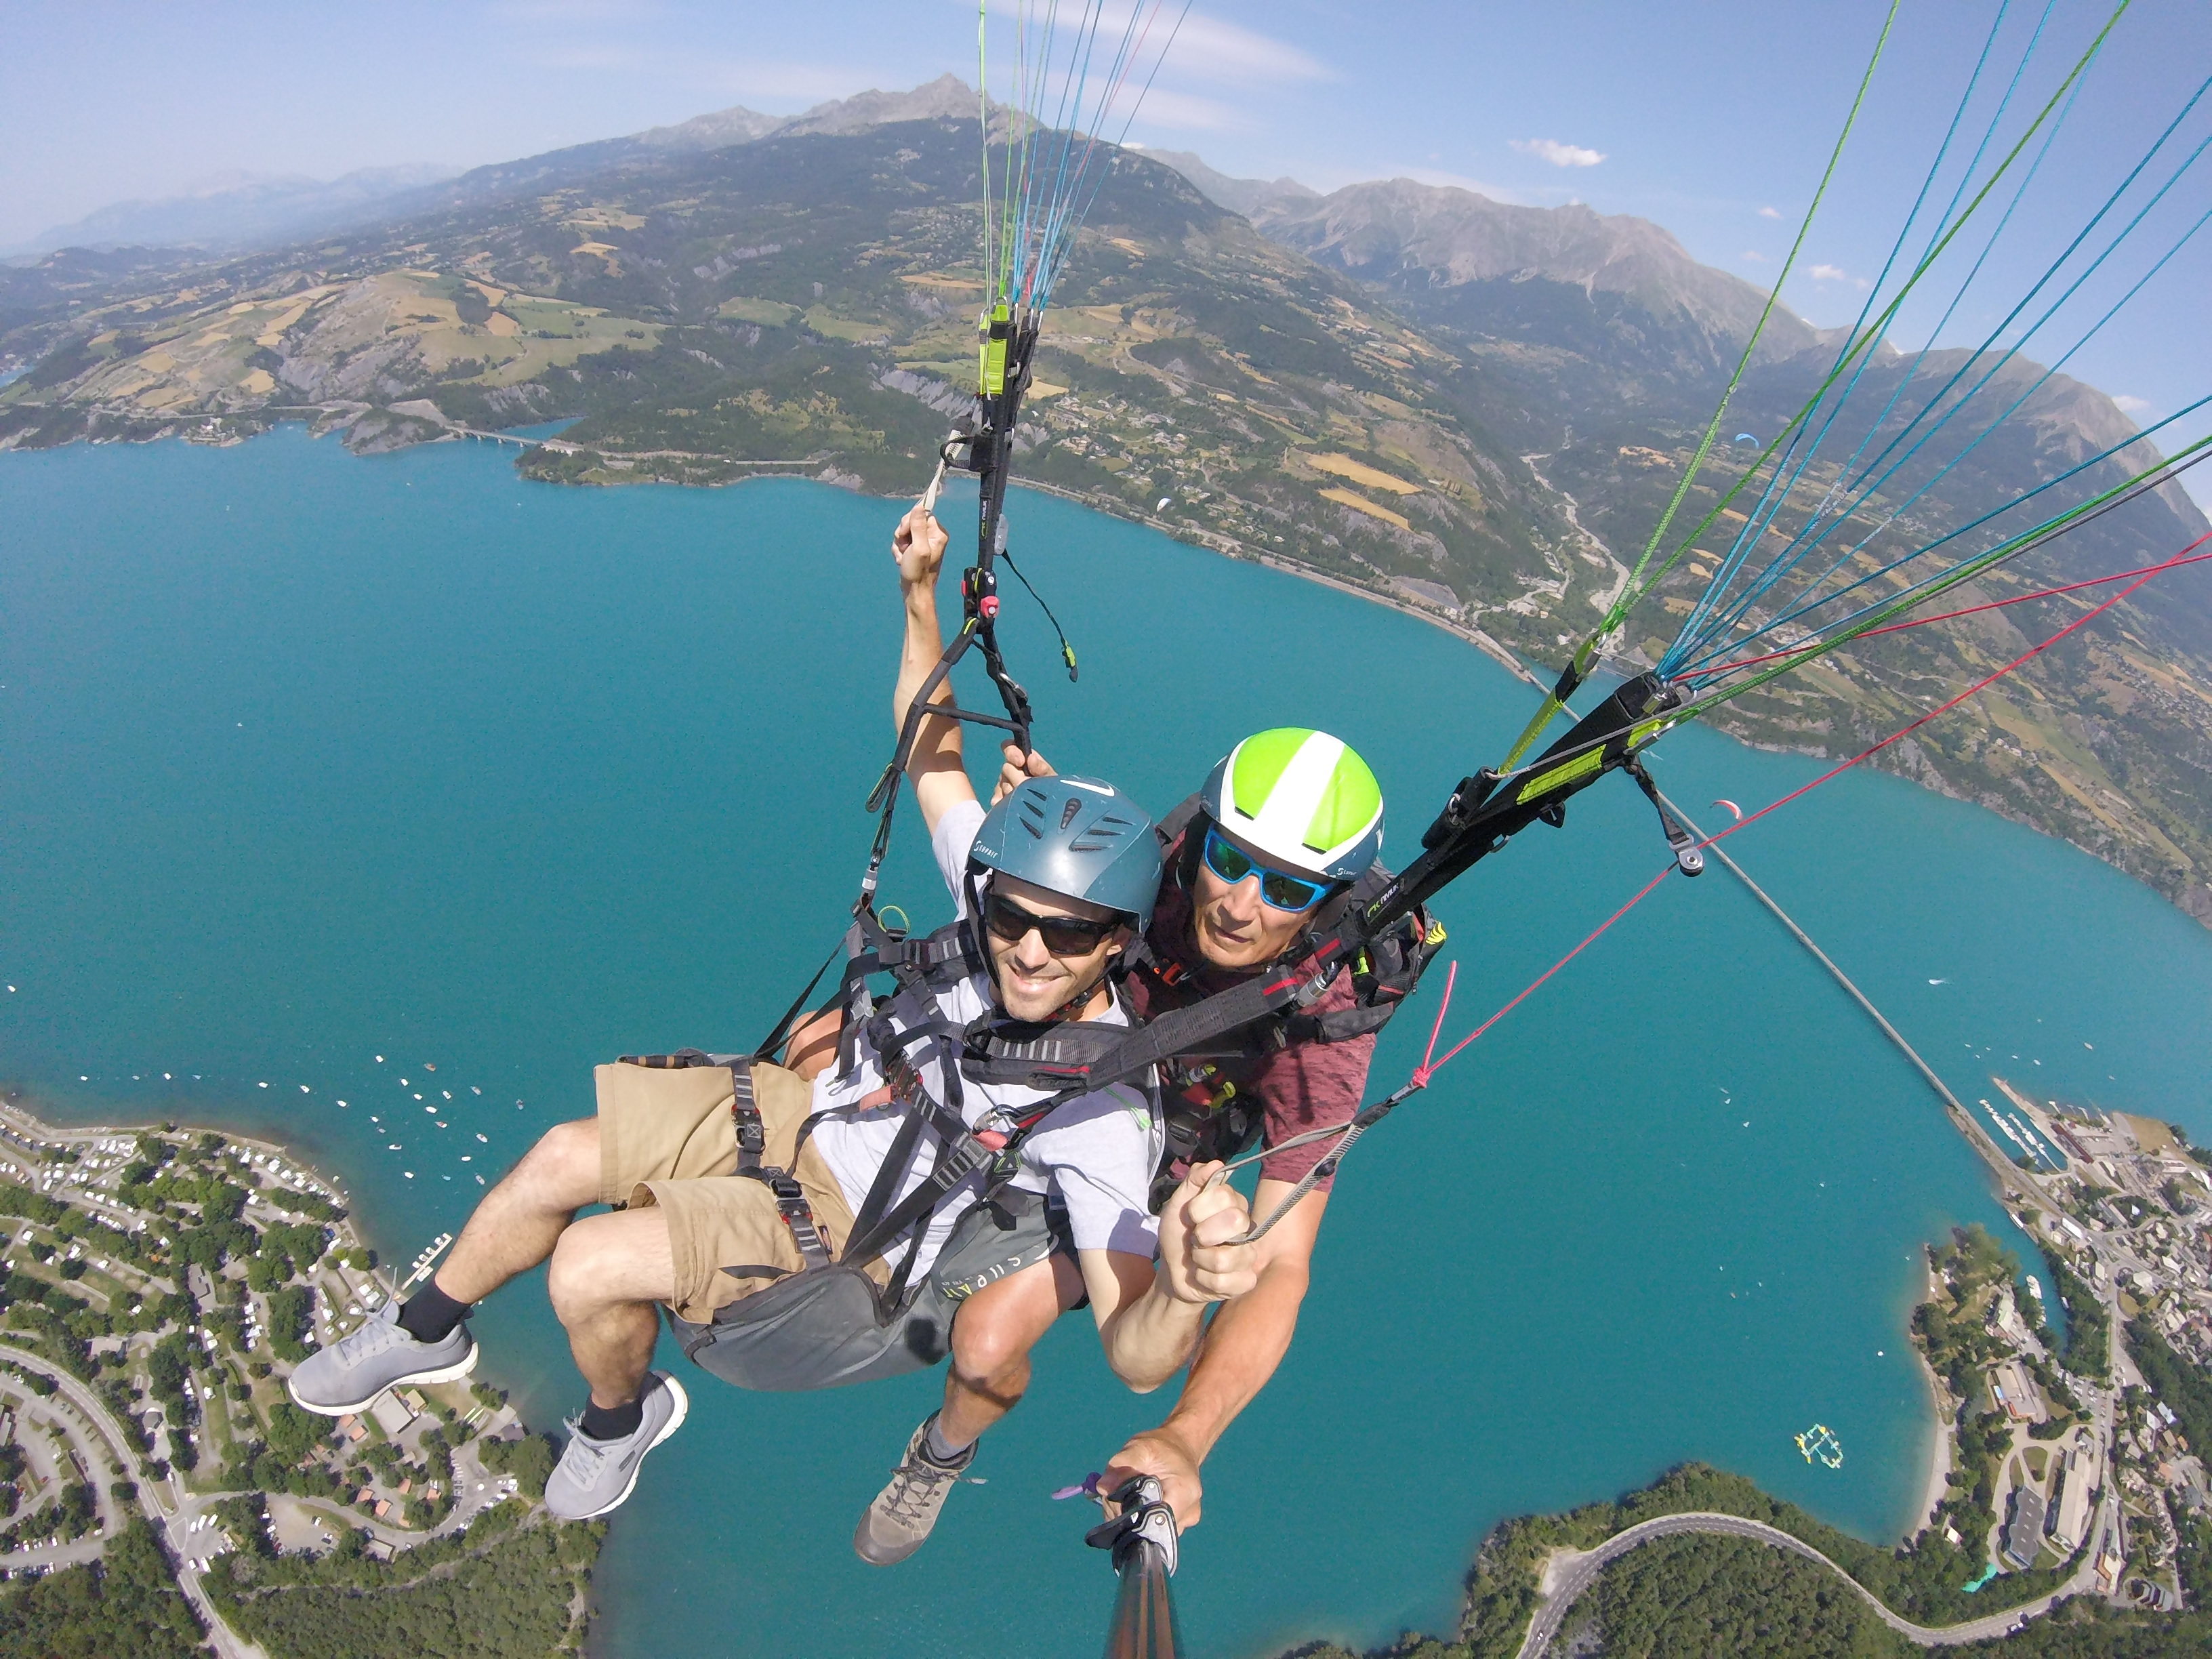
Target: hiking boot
(899,1521)
(347,1375)
(594,1476)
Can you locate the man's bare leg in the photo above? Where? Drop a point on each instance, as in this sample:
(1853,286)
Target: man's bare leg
(609,1273)
(515,1228)
(606,1275)
(521,1219)
(992,1337)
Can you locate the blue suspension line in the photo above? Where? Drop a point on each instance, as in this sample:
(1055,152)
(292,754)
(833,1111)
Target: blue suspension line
(1863,488)
(1790,617)
(1807,602)
(1756,521)
(1803,541)
(1994,512)
(1997,553)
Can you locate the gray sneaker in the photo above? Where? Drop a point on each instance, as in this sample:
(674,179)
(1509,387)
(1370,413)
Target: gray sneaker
(900,1519)
(347,1376)
(594,1476)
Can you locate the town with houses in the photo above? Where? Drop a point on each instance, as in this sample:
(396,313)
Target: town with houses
(160,1284)
(2107,1426)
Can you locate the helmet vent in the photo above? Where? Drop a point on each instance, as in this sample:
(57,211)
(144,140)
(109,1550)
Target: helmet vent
(1067,812)
(1109,832)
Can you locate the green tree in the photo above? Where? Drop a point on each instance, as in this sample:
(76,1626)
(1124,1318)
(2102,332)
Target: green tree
(125,1604)
(529,1460)
(289,1311)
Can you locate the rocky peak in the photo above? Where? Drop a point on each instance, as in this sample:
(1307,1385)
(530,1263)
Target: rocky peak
(1409,235)
(717,131)
(948,98)
(1249,196)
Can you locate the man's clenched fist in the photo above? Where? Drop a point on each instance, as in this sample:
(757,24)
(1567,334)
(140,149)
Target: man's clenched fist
(1197,1226)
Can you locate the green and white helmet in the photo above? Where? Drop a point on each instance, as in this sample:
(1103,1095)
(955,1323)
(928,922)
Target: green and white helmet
(1303,797)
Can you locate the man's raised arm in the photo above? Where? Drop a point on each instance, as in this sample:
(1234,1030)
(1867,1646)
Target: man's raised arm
(940,779)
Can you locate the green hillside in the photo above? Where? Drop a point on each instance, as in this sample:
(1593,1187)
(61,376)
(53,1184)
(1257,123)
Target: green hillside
(1492,454)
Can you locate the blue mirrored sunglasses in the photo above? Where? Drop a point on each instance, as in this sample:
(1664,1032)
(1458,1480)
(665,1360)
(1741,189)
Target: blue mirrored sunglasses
(1280,888)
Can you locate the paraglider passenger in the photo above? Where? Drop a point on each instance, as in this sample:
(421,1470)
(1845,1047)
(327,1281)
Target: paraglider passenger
(1271,850)
(1052,884)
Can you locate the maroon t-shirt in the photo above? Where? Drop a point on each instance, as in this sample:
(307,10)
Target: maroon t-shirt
(1307,1085)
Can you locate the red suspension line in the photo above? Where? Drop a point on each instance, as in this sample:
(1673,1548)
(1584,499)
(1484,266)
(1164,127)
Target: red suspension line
(1982,684)
(2178,560)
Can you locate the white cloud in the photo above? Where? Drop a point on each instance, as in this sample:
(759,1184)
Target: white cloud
(1177,111)
(1558,154)
(1837,274)
(2128,403)
(812,83)
(1769,213)
(592,59)
(1754,256)
(537,13)
(1205,55)
(768,82)
(1206,49)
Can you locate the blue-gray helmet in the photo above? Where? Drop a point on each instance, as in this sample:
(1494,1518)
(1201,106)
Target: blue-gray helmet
(1076,837)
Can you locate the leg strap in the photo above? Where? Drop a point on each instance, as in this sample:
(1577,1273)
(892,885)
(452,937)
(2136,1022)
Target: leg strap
(752,1141)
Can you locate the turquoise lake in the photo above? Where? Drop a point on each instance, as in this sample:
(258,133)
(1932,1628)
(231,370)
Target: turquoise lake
(306,759)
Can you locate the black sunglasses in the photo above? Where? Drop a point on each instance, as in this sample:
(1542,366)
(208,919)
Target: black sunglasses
(1280,888)
(1064,936)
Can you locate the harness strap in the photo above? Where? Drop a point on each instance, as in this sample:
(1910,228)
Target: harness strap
(752,1141)
(791,1200)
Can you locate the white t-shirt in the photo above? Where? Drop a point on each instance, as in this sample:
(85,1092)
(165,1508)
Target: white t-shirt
(1096,1154)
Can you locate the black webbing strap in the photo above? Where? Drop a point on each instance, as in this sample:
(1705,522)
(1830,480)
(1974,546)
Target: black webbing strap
(1187,1030)
(880,1223)
(752,1142)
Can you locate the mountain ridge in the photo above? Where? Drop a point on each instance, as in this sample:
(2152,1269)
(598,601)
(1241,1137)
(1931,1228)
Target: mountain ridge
(236,210)
(1411,415)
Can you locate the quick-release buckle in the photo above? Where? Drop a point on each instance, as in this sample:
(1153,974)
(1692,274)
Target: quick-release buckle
(994,1130)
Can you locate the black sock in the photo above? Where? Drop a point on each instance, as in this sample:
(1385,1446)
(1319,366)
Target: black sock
(613,1422)
(430,1315)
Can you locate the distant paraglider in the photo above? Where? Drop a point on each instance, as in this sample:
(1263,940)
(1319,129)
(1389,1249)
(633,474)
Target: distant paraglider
(1734,811)
(1745,438)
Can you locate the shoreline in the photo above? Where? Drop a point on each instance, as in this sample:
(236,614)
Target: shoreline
(201,1453)
(20,1105)
(1228,548)
(1940,1453)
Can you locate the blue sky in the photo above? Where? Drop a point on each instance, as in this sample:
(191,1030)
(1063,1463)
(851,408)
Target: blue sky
(1714,118)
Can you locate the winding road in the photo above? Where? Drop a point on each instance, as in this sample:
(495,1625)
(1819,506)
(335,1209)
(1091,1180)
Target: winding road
(1571,1572)
(171,1521)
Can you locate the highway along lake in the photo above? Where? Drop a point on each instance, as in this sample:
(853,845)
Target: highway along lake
(306,760)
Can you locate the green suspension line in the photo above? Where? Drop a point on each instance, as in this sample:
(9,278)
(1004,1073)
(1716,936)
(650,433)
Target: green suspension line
(1633,591)
(2009,548)
(1586,655)
(1865,340)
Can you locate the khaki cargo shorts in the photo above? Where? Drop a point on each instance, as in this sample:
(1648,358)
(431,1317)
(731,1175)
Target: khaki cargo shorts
(666,1137)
